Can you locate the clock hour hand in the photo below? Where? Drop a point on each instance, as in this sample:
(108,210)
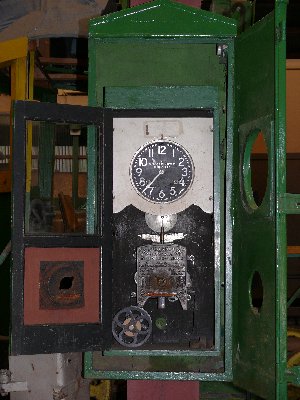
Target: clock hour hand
(161,171)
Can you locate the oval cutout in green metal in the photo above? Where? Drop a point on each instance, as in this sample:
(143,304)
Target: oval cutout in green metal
(255,169)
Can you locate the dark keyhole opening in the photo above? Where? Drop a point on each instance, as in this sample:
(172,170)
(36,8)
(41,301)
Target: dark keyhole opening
(257,292)
(66,282)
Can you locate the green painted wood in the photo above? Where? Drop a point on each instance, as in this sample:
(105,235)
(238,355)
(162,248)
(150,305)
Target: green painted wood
(162,18)
(94,360)
(133,72)
(281,256)
(163,44)
(129,60)
(153,97)
(153,64)
(161,363)
(254,238)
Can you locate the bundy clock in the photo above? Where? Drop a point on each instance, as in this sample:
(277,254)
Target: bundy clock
(162,171)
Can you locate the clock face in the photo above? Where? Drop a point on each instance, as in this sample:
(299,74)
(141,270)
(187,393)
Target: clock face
(162,171)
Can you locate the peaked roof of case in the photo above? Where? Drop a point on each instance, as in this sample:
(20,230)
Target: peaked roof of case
(161,18)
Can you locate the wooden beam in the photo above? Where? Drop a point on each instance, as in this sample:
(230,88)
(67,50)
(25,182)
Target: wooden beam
(67,77)
(13,49)
(293,63)
(293,250)
(64,61)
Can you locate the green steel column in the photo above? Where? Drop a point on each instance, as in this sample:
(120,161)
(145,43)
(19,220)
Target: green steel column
(46,159)
(75,170)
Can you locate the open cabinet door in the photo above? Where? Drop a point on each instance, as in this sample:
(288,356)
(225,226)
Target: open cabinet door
(61,229)
(259,296)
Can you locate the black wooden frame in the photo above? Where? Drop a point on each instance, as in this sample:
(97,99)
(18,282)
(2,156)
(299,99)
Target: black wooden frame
(66,337)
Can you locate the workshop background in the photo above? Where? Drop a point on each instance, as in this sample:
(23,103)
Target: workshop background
(57,31)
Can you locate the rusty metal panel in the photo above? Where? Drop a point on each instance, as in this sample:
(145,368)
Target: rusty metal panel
(61,285)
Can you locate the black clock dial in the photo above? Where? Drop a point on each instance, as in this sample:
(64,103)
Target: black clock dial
(162,171)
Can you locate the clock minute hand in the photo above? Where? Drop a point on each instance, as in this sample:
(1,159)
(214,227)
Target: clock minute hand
(161,171)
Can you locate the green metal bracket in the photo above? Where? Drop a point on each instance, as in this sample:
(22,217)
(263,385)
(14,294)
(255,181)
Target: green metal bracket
(242,12)
(289,203)
(293,375)
(294,297)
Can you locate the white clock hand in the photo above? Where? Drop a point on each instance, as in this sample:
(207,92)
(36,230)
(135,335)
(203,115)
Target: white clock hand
(161,171)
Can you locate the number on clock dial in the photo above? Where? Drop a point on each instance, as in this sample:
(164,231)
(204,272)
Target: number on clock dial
(162,171)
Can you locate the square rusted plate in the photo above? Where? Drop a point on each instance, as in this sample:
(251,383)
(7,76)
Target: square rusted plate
(61,285)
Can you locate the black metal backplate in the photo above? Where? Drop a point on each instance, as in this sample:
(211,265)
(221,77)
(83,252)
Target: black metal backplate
(172,327)
(192,328)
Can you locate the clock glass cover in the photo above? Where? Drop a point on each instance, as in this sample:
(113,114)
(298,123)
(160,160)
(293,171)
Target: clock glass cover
(162,171)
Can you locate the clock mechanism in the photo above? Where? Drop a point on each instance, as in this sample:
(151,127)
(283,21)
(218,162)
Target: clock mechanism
(163,270)
(162,171)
